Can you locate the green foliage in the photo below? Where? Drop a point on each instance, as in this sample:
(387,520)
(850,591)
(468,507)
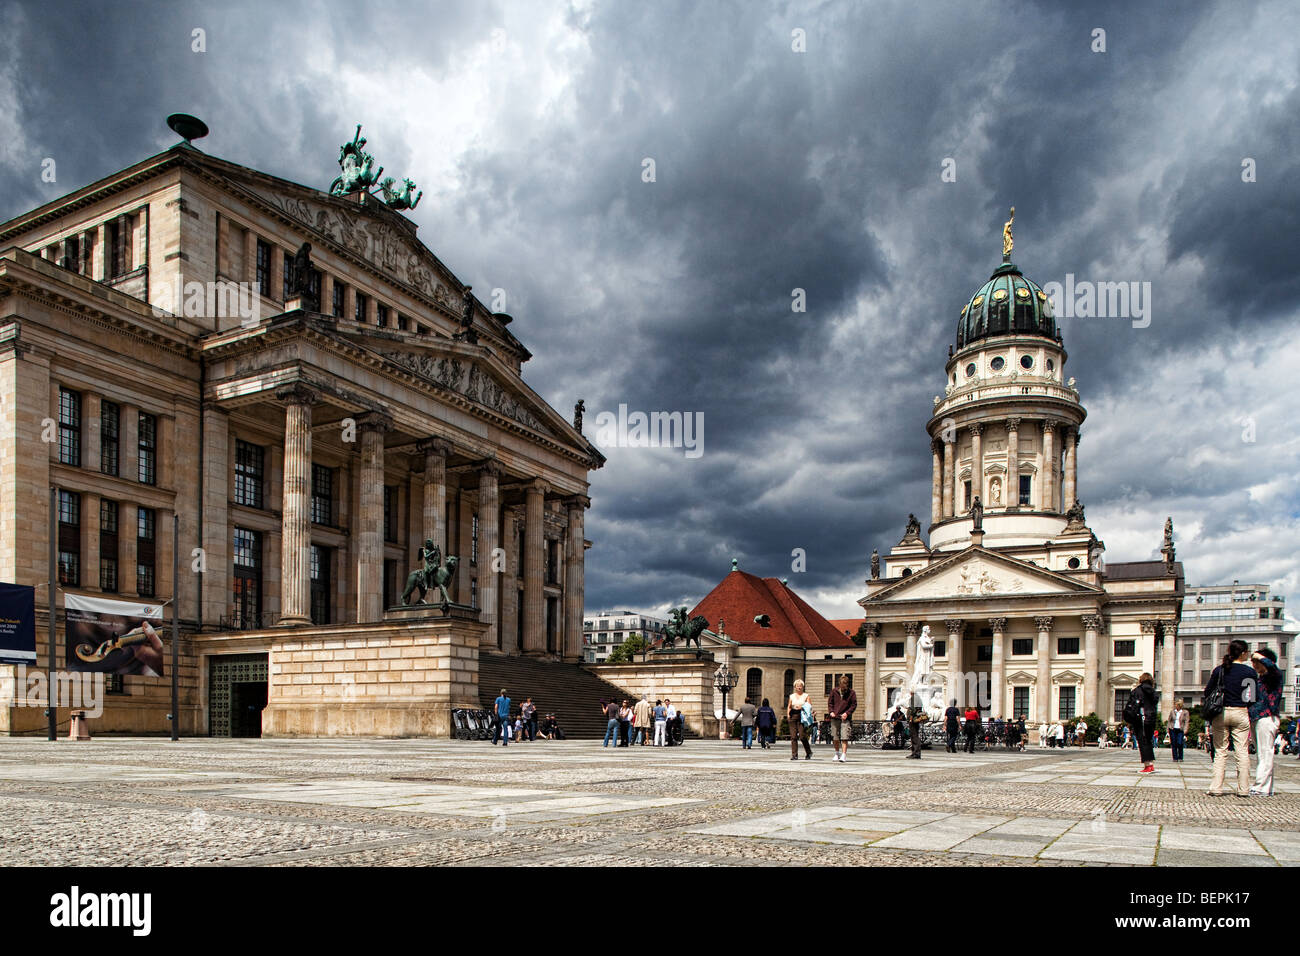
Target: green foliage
(860,638)
(623,653)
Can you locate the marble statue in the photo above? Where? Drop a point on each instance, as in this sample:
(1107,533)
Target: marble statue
(977,514)
(924,659)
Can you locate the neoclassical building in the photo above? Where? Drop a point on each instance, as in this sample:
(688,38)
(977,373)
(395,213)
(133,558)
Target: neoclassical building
(1028,618)
(160,356)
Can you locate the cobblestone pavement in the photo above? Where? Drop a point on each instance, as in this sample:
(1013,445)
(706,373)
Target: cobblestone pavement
(418,802)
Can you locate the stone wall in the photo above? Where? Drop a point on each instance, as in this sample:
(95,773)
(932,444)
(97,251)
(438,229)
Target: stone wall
(679,676)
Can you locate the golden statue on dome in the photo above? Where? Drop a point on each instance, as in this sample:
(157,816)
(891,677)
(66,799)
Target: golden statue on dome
(1007,240)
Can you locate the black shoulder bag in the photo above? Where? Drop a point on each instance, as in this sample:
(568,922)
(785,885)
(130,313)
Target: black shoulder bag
(1212,706)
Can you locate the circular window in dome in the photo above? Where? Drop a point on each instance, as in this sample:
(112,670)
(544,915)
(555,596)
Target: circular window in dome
(979,299)
(1000,294)
(1026,361)
(998,363)
(970,370)
(1073,564)
(907,572)
(1022,292)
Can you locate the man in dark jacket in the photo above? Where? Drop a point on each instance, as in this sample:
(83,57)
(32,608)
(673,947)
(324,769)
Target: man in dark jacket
(916,716)
(840,707)
(899,721)
(952,725)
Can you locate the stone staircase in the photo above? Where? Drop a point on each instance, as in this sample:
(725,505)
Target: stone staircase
(566,690)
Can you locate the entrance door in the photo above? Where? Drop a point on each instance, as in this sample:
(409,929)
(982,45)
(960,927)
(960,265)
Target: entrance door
(237,694)
(247,701)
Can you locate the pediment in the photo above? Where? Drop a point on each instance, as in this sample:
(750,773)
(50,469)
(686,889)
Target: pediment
(1022,677)
(977,572)
(893,680)
(1067,677)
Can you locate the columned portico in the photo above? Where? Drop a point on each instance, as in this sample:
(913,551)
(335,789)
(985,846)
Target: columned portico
(489,568)
(1044,681)
(1091,663)
(295,541)
(998,672)
(956,676)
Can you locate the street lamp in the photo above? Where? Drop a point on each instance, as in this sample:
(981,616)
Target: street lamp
(724,680)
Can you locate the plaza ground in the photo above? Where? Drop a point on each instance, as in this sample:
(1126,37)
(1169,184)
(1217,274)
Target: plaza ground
(351,802)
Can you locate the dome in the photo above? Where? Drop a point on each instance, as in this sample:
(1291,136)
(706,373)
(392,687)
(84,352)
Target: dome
(1008,304)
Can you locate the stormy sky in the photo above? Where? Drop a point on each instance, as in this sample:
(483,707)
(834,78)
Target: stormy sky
(528,126)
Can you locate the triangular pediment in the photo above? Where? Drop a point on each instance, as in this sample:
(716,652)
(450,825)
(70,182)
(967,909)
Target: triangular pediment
(977,572)
(1067,677)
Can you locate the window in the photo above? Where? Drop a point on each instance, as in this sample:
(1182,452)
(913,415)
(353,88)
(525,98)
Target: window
(1189,677)
(248,578)
(69,538)
(789,683)
(1020,701)
(402,322)
(1065,701)
(148,440)
(754,685)
(322,495)
(940,649)
(1067,645)
(1205,676)
(1189,651)
(966,494)
(336,306)
(894,649)
(146,525)
(110,424)
(286,271)
(1126,648)
(473,593)
(107,545)
(320,584)
(1121,698)
(381,316)
(390,517)
(70,428)
(391,591)
(1027,362)
(1020,646)
(114,684)
(829,683)
(313,286)
(250,463)
(983,652)
(264,268)
(359,312)
(473,542)
(1026,488)
(552,562)
(119,246)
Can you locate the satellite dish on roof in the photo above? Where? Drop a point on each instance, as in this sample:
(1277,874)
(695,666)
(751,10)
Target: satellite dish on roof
(187,127)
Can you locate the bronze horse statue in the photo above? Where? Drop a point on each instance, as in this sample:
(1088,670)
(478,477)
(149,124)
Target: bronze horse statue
(430,576)
(680,628)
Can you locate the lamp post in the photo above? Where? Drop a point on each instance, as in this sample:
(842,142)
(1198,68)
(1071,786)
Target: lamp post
(724,680)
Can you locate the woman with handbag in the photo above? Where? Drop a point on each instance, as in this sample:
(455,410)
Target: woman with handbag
(1228,695)
(1140,715)
(794,711)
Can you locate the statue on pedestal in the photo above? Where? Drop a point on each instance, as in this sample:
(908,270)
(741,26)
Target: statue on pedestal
(924,660)
(680,628)
(977,514)
(433,573)
(875,565)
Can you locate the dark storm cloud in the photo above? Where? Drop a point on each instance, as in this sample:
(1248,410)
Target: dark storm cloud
(776,170)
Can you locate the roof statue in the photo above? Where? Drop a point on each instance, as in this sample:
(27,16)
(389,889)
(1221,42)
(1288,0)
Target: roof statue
(1167,548)
(400,198)
(1007,240)
(467,333)
(300,277)
(359,173)
(685,629)
(913,529)
(977,514)
(578,409)
(875,565)
(1074,514)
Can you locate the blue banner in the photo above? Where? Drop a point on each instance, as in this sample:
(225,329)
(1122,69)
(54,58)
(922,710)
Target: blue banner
(17,624)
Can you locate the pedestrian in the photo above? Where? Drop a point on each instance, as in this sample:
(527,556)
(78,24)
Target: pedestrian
(624,724)
(1238,683)
(671,728)
(528,713)
(1023,732)
(952,725)
(1081,733)
(795,716)
(1179,718)
(1140,716)
(766,725)
(1103,739)
(501,708)
(610,711)
(748,713)
(916,716)
(971,727)
(898,721)
(661,722)
(1266,716)
(1060,735)
(840,707)
(641,714)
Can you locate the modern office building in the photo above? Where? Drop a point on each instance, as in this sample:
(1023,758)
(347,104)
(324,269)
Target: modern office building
(1214,615)
(605,630)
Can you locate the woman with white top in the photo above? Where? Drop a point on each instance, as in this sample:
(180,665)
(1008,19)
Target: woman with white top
(794,714)
(1179,719)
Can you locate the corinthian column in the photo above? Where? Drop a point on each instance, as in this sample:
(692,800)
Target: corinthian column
(977,463)
(295,530)
(435,451)
(936,481)
(949,453)
(370,537)
(1048,491)
(911,629)
(956,677)
(534,601)
(1071,475)
(1044,669)
(872,690)
(574,581)
(489,569)
(1168,663)
(1091,664)
(1013,463)
(998,672)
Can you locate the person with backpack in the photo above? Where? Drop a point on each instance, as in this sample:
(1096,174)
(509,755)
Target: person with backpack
(1266,714)
(1232,688)
(766,718)
(1140,715)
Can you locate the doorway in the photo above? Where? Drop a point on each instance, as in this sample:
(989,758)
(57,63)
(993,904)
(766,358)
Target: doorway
(237,694)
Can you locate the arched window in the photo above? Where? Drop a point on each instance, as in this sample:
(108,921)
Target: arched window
(754,685)
(789,683)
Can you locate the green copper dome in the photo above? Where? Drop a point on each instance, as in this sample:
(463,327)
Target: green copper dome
(1008,304)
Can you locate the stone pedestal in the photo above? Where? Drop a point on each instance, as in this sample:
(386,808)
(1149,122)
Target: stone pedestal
(675,674)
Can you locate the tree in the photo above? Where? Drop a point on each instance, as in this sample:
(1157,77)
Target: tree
(623,653)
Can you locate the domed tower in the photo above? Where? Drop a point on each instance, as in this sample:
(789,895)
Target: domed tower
(1007,426)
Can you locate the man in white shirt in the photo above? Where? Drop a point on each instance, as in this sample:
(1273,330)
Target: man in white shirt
(672,721)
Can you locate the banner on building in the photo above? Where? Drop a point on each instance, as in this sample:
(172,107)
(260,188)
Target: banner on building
(113,637)
(17,624)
